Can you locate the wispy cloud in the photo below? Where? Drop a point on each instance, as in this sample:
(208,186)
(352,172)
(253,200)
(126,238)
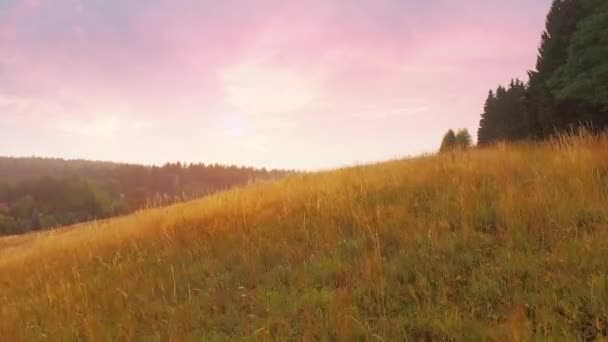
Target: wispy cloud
(109,123)
(105,127)
(380,113)
(257,144)
(255,88)
(316,77)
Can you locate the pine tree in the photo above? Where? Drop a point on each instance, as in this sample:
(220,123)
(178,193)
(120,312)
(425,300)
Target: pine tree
(582,82)
(542,109)
(486,132)
(504,115)
(569,86)
(516,125)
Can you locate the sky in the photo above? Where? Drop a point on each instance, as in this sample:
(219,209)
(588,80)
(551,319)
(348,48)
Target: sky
(312,84)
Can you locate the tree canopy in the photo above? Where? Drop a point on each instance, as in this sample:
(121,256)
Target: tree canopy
(448,142)
(584,75)
(567,88)
(504,117)
(456,141)
(463,139)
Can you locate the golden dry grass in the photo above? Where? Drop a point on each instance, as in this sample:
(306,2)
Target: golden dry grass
(507,243)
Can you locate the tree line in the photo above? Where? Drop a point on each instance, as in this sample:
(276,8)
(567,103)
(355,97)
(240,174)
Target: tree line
(56,192)
(567,89)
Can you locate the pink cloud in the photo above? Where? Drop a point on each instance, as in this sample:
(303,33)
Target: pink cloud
(267,78)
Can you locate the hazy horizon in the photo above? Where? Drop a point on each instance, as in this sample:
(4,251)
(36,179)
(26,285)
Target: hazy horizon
(276,84)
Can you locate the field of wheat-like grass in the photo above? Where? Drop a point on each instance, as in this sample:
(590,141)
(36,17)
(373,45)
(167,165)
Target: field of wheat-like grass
(503,243)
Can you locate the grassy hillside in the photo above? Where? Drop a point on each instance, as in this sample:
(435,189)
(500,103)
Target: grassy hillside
(504,243)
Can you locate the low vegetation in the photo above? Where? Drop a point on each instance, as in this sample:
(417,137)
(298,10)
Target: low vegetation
(502,243)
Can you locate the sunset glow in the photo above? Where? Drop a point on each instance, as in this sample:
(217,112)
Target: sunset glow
(288,84)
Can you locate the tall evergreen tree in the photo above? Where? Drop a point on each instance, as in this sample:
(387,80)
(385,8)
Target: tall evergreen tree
(542,109)
(487,125)
(569,86)
(516,124)
(583,79)
(504,115)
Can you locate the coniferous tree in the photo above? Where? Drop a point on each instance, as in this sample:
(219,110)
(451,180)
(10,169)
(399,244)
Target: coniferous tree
(542,109)
(486,132)
(503,117)
(516,124)
(569,86)
(585,73)
(583,79)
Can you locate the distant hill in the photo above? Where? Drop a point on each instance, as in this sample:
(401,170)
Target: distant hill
(505,243)
(15,170)
(41,193)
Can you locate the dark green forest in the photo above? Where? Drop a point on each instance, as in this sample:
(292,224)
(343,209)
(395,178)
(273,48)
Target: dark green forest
(42,193)
(567,89)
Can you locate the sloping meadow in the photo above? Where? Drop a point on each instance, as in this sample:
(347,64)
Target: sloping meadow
(503,243)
